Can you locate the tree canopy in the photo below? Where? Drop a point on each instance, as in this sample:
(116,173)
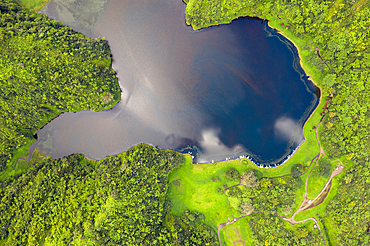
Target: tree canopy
(46,69)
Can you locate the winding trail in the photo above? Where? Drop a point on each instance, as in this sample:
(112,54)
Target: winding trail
(222,225)
(305,220)
(306,203)
(231,187)
(241,183)
(317,157)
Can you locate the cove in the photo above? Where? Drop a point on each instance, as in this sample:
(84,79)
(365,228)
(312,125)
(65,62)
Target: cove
(222,92)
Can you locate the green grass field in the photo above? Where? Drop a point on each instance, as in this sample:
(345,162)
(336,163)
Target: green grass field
(191,186)
(17,166)
(195,189)
(36,5)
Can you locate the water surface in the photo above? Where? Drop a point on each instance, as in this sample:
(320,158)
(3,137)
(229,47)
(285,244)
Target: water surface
(220,93)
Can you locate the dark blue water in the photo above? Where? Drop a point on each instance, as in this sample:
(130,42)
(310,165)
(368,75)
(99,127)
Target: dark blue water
(222,92)
(265,97)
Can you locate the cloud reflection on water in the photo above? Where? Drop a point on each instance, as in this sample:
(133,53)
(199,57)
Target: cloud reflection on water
(287,129)
(218,92)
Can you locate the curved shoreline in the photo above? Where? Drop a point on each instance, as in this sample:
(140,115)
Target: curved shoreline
(290,152)
(281,32)
(304,68)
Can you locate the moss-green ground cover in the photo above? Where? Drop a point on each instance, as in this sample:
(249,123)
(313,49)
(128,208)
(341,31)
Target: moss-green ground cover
(33,4)
(192,187)
(198,192)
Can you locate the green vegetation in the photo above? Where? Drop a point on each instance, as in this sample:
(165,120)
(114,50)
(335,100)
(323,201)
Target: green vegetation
(33,4)
(337,38)
(271,231)
(194,187)
(81,15)
(134,198)
(348,212)
(118,200)
(333,42)
(46,69)
(232,174)
(296,170)
(199,192)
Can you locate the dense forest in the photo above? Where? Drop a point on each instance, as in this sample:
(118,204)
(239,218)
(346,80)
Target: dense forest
(336,35)
(46,69)
(269,197)
(120,200)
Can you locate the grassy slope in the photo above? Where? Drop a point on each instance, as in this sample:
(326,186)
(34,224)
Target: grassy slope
(198,192)
(36,5)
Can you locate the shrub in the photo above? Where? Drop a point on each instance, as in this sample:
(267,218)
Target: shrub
(232,173)
(215,179)
(325,168)
(296,170)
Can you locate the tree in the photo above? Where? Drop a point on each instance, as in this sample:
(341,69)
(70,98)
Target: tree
(249,179)
(324,168)
(234,202)
(329,80)
(246,208)
(287,210)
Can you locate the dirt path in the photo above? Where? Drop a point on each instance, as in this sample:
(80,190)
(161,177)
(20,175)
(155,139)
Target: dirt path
(222,225)
(305,220)
(306,203)
(286,175)
(241,178)
(320,155)
(317,137)
(323,196)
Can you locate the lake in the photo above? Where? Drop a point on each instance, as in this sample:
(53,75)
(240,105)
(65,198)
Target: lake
(222,92)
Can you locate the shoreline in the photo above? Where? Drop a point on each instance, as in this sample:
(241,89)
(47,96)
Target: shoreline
(303,66)
(279,162)
(305,69)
